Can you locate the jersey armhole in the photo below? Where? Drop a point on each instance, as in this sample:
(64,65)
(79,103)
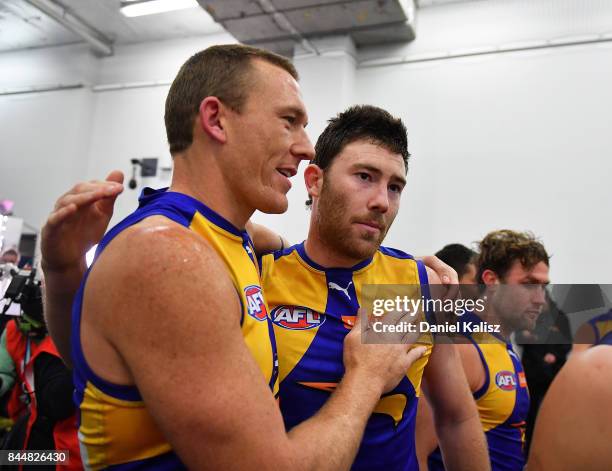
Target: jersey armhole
(485,386)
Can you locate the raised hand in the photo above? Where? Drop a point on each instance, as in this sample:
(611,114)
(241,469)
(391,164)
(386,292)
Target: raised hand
(78,221)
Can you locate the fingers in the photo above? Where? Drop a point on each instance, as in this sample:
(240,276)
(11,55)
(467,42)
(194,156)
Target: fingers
(60,215)
(415,353)
(115,176)
(89,192)
(452,291)
(84,198)
(446,273)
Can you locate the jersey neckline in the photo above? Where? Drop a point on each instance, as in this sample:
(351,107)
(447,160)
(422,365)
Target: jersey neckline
(302,253)
(149,194)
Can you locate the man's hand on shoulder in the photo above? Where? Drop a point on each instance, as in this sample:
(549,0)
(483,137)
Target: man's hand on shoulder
(78,221)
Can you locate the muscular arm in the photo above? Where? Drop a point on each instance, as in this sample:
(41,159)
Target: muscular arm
(574,422)
(425,437)
(59,291)
(457,423)
(264,239)
(427,440)
(78,221)
(157,321)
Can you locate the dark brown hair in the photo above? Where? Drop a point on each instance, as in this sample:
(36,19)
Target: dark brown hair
(221,71)
(458,257)
(499,250)
(365,122)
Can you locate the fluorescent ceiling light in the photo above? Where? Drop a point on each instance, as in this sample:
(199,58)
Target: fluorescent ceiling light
(157,6)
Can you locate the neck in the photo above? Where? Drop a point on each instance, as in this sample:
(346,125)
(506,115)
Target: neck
(490,316)
(321,253)
(197,174)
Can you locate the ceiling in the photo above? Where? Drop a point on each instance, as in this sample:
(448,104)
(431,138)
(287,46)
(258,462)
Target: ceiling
(25,26)
(275,24)
(280,24)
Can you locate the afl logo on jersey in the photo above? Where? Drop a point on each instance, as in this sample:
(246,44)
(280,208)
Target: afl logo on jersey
(296,317)
(505,380)
(256,306)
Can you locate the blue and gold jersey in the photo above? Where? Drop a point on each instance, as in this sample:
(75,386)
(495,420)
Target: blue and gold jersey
(313,309)
(502,402)
(602,328)
(115,429)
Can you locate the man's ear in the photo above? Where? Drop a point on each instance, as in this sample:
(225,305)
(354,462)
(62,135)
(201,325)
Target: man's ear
(489,277)
(313,177)
(211,118)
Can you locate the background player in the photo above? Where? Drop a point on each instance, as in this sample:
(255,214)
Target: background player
(493,370)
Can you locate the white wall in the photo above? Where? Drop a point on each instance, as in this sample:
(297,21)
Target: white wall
(50,140)
(515,140)
(44,141)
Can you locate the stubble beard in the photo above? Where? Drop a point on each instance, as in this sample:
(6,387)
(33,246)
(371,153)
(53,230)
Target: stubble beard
(334,230)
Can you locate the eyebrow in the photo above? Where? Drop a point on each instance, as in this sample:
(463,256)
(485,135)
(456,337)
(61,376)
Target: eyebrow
(377,171)
(534,281)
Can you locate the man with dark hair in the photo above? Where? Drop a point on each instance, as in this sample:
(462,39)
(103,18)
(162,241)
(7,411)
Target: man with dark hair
(462,259)
(493,370)
(360,123)
(315,288)
(314,291)
(174,362)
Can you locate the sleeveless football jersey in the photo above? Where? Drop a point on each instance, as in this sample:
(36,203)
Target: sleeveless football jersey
(313,309)
(502,401)
(602,327)
(115,429)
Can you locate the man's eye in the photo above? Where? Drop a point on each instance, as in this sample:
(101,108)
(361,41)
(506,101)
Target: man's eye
(364,176)
(395,188)
(289,119)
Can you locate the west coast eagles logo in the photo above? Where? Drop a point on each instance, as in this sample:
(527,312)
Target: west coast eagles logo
(296,317)
(256,306)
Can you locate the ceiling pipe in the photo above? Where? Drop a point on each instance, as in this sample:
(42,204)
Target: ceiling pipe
(62,15)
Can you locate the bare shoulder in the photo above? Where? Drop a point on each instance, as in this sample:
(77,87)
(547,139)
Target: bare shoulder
(586,371)
(157,248)
(472,365)
(576,411)
(153,274)
(589,371)
(468,353)
(160,260)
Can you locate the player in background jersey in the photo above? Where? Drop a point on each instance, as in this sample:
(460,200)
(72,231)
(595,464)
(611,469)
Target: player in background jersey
(493,370)
(596,331)
(161,325)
